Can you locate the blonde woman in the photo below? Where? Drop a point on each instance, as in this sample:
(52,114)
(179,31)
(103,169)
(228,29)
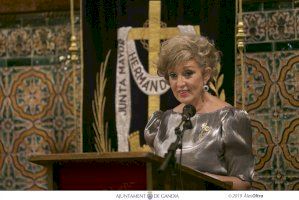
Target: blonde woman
(219,144)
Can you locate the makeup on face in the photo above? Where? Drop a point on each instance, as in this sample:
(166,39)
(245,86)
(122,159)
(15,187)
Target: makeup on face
(186,82)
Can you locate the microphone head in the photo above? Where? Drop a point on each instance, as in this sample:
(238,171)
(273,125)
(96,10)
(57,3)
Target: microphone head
(189,111)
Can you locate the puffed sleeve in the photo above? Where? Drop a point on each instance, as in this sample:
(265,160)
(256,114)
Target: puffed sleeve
(152,128)
(237,138)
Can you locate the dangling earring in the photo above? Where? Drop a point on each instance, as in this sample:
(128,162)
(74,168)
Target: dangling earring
(206,88)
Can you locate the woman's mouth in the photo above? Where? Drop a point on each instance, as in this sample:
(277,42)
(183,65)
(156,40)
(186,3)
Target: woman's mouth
(183,93)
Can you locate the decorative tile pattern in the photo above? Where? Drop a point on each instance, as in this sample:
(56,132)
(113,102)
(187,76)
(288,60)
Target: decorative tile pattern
(62,32)
(2,153)
(1,97)
(273,77)
(59,126)
(37,114)
(12,179)
(19,42)
(284,115)
(12,125)
(274,115)
(281,25)
(68,89)
(288,74)
(297,22)
(43,41)
(276,173)
(2,44)
(262,140)
(258,72)
(255,27)
(290,145)
(34,119)
(32,94)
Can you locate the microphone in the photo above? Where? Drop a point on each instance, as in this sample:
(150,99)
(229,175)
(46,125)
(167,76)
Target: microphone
(188,112)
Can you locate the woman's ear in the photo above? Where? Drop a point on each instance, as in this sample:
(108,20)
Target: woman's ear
(207,74)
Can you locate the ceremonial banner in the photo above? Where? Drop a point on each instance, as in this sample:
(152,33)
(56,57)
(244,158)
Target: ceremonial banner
(127,57)
(133,32)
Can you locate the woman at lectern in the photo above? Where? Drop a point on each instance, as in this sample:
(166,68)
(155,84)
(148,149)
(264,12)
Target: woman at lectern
(219,143)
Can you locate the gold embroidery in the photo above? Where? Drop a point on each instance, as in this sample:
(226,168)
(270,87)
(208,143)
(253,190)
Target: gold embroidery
(102,141)
(135,143)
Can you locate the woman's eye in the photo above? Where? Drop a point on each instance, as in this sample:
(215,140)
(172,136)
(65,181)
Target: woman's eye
(188,73)
(172,75)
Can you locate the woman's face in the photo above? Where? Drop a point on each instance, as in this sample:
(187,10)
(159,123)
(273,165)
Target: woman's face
(186,82)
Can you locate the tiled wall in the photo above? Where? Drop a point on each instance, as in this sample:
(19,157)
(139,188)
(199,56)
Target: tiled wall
(37,113)
(272,91)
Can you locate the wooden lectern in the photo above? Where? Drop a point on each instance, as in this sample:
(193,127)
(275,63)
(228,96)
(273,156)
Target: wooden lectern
(120,171)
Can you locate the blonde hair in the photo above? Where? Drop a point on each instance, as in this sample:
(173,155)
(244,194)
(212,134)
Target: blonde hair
(185,47)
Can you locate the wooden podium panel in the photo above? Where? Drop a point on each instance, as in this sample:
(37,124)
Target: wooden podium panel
(120,171)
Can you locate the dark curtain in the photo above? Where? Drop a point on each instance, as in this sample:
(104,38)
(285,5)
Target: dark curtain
(100,22)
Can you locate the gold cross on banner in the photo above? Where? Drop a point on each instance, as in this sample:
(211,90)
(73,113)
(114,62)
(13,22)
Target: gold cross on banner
(154,33)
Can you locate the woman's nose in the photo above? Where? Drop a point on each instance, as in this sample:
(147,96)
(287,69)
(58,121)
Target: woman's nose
(181,81)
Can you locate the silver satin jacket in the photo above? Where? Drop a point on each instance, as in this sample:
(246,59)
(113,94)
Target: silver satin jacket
(220,142)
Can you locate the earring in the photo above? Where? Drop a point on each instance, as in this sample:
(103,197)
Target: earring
(206,88)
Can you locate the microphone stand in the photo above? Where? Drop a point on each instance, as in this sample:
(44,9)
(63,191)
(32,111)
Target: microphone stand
(170,155)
